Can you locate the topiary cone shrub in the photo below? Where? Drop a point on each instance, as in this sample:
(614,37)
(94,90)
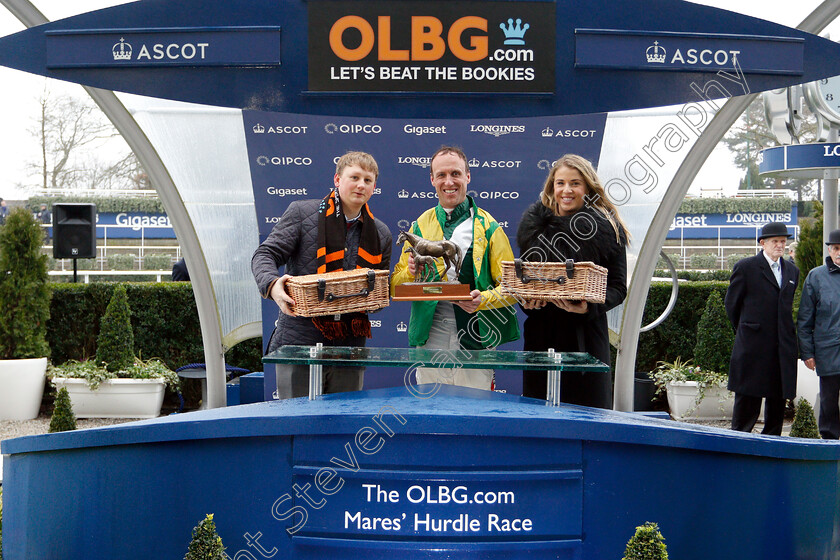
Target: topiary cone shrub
(715,337)
(24,294)
(115,343)
(804,423)
(647,544)
(63,419)
(206,544)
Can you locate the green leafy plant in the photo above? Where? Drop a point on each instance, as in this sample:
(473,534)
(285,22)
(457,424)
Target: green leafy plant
(121,261)
(104,204)
(715,337)
(724,205)
(680,372)
(24,294)
(63,419)
(115,344)
(95,374)
(647,544)
(703,260)
(157,262)
(206,543)
(804,424)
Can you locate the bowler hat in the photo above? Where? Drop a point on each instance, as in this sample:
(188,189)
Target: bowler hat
(774,229)
(833,237)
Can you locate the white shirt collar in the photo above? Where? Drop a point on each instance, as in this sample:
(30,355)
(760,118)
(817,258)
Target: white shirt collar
(769,260)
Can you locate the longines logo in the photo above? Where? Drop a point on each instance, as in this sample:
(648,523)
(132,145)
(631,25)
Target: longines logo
(421,130)
(497,129)
(332,128)
(123,51)
(404,224)
(549,132)
(283,160)
(544,164)
(260,129)
(421,161)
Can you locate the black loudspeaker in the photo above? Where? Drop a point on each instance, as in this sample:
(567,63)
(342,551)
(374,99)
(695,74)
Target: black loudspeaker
(74,231)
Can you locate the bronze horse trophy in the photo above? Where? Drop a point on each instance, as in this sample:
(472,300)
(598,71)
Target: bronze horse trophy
(425,253)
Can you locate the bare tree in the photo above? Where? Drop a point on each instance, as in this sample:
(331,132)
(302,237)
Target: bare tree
(80,148)
(750,135)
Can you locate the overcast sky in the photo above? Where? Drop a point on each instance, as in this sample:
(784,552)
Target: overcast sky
(20,91)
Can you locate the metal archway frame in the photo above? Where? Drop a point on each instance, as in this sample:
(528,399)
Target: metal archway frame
(816,21)
(208,314)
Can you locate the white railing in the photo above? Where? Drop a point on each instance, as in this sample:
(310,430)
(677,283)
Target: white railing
(722,249)
(115,193)
(106,246)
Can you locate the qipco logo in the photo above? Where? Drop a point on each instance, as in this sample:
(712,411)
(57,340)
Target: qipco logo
(466,39)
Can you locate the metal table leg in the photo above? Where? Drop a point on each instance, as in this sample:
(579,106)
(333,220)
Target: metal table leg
(553,385)
(316,374)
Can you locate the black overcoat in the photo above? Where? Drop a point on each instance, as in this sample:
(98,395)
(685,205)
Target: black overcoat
(764,356)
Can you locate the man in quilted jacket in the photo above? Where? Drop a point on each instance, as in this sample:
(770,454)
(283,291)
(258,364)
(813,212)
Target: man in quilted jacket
(317,236)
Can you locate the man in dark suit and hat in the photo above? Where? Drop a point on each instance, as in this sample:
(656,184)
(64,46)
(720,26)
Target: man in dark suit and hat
(759,304)
(819,325)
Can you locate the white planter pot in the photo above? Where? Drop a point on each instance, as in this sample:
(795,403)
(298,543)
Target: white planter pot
(682,401)
(21,388)
(115,398)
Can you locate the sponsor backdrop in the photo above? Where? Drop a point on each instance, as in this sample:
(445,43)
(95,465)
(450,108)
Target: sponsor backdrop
(733,225)
(292,157)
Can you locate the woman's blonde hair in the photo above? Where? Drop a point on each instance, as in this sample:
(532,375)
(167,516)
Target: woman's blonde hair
(597,198)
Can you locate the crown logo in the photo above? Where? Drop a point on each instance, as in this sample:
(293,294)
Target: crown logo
(547,132)
(122,50)
(655,53)
(514,33)
(403,193)
(474,162)
(402,327)
(258,128)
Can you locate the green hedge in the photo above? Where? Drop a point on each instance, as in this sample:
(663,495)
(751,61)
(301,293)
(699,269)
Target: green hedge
(103,204)
(163,316)
(724,205)
(677,336)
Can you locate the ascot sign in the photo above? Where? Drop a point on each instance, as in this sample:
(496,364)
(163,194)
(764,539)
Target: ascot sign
(466,59)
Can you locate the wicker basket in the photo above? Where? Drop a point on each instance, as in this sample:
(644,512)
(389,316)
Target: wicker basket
(341,291)
(552,280)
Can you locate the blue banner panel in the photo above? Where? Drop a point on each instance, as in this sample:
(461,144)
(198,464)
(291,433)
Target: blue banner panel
(293,157)
(800,160)
(133,225)
(732,225)
(465,46)
(124,48)
(697,52)
(444,505)
(422,59)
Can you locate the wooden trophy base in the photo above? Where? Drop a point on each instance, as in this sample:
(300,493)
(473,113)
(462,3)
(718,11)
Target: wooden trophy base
(432,291)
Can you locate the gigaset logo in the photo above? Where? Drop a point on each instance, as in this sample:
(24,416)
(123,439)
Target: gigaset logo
(332,128)
(427,39)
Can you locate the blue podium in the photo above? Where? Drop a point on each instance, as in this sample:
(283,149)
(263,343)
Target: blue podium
(386,474)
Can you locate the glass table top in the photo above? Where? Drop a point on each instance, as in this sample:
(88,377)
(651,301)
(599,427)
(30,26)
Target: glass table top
(425,357)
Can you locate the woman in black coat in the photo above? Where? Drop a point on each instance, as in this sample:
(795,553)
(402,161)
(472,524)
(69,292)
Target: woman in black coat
(573,219)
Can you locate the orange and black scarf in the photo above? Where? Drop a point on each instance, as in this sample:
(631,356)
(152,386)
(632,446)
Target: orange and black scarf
(332,233)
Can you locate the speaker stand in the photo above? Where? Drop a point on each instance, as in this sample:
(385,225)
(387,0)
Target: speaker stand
(75,270)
